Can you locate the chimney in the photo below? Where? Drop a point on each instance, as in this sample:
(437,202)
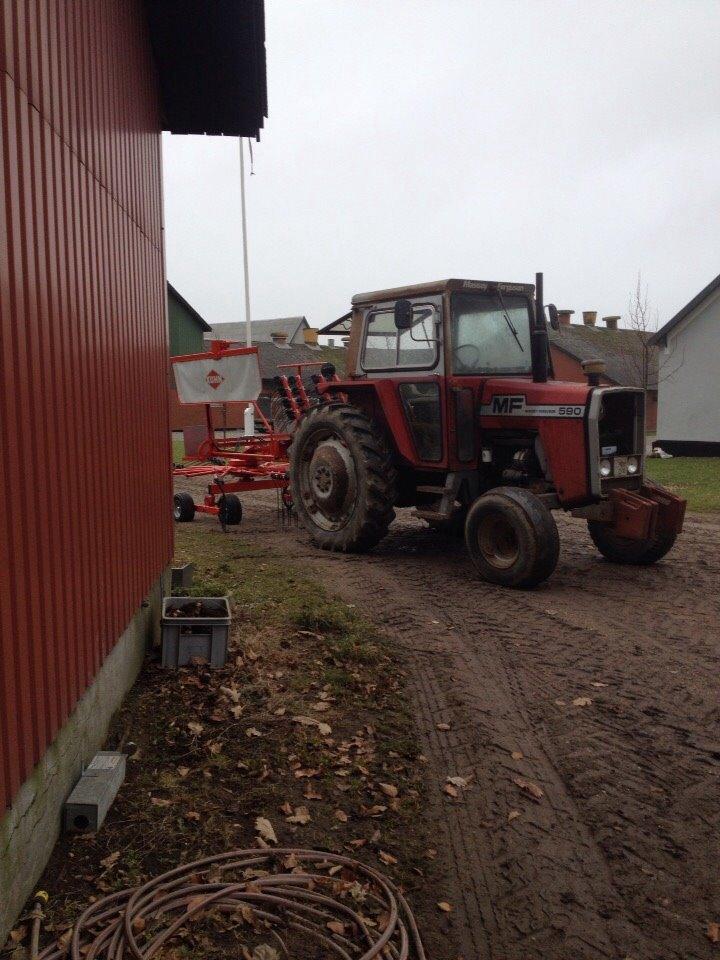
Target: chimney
(611,322)
(279,338)
(564,317)
(310,335)
(589,317)
(594,369)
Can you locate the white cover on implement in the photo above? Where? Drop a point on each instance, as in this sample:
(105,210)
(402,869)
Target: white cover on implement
(227,379)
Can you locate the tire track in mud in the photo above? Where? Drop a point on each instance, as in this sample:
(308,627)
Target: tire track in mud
(619,858)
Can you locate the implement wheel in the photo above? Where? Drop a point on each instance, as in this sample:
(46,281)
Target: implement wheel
(229,510)
(620,550)
(342,478)
(183,508)
(512,538)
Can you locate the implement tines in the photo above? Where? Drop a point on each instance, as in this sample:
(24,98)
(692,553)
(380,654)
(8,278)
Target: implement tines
(128,924)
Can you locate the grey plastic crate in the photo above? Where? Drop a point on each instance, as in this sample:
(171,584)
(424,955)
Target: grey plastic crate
(186,636)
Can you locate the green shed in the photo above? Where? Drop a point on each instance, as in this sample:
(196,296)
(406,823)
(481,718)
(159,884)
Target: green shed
(186,325)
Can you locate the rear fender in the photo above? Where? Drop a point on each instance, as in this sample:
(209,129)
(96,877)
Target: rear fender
(379,399)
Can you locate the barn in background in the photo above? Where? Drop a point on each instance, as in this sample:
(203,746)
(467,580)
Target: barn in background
(84,430)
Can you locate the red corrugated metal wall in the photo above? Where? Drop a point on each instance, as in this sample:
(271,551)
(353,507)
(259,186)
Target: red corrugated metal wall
(85,524)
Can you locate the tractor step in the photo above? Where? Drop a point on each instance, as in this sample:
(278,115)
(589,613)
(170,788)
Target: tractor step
(429,488)
(428,515)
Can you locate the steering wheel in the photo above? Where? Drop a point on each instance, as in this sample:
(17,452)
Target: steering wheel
(468,356)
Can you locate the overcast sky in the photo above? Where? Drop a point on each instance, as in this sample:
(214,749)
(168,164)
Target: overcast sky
(412,140)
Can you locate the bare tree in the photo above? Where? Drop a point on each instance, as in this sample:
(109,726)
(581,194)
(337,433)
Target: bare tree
(647,364)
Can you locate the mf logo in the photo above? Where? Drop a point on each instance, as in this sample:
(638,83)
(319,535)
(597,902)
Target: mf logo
(508,404)
(214,379)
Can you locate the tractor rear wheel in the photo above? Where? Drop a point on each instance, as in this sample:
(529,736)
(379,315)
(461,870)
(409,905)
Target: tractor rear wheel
(342,478)
(512,538)
(621,550)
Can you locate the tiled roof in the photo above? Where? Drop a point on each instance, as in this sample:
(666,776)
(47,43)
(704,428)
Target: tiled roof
(262,330)
(621,350)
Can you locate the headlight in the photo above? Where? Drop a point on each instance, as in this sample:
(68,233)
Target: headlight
(633,465)
(605,468)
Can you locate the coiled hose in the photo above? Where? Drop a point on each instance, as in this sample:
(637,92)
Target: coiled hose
(349,909)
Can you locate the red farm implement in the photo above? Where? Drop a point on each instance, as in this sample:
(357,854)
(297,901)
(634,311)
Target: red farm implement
(239,464)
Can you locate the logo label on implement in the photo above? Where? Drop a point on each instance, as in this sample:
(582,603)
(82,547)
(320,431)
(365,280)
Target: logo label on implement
(516,405)
(214,379)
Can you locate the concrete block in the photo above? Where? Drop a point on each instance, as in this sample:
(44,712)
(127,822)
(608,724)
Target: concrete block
(87,806)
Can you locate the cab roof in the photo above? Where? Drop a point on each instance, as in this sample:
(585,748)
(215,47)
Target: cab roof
(441,286)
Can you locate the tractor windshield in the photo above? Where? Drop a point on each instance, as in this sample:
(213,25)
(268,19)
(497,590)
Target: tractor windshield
(490,334)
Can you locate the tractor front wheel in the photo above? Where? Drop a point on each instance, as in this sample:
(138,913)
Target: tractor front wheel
(512,538)
(621,550)
(342,478)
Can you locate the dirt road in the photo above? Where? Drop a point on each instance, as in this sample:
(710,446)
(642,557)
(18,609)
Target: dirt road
(602,688)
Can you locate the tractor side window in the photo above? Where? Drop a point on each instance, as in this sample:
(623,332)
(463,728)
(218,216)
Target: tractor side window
(386,348)
(421,402)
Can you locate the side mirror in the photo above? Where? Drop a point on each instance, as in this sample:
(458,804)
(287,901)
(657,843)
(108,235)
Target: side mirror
(554,319)
(403,314)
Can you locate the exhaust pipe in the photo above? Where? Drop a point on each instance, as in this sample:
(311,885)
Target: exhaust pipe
(539,335)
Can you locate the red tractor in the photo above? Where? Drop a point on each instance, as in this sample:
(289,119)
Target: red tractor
(449,405)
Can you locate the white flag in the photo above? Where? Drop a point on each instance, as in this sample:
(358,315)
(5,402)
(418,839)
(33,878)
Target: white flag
(228,379)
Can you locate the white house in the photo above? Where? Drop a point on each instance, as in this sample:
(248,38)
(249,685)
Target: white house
(689,389)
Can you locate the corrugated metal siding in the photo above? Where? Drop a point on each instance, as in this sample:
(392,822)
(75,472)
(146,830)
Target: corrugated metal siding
(84,434)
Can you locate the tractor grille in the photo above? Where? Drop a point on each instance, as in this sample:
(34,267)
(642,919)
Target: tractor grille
(616,435)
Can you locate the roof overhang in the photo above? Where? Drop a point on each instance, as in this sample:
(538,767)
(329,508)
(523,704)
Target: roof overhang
(661,336)
(341,325)
(441,286)
(210,59)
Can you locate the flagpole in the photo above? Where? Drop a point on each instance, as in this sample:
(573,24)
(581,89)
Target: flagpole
(249,417)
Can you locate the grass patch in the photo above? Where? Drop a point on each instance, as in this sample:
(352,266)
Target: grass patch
(695,478)
(178,450)
(218,749)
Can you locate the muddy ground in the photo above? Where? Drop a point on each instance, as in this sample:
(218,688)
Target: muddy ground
(602,688)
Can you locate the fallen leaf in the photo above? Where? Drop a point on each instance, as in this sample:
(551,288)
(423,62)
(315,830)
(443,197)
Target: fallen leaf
(301,816)
(442,726)
(560,703)
(598,685)
(531,789)
(160,802)
(336,926)
(461,782)
(582,702)
(324,728)
(388,789)
(341,816)
(110,860)
(445,906)
(252,732)
(265,952)
(196,728)
(183,771)
(450,790)
(265,829)
(713,932)
(387,858)
(517,755)
(513,815)
(192,815)
(321,706)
